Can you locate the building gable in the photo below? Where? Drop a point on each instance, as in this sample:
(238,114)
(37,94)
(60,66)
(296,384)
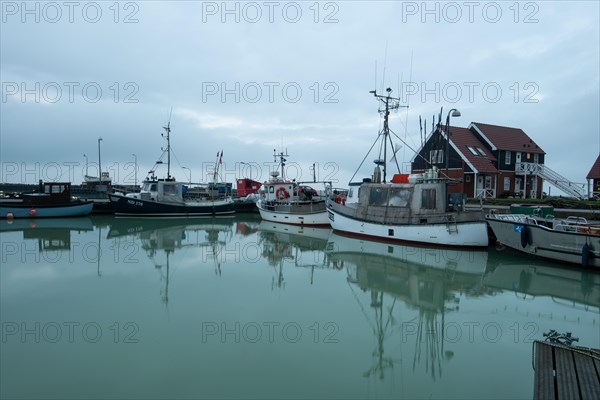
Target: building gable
(595,170)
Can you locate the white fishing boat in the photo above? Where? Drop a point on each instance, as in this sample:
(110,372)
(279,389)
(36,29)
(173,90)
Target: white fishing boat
(290,202)
(412,208)
(572,240)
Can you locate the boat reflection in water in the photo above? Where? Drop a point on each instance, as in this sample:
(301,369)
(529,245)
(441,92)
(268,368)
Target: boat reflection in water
(429,280)
(530,277)
(161,237)
(52,234)
(54,237)
(302,245)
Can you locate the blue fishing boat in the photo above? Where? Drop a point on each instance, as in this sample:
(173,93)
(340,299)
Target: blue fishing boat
(52,200)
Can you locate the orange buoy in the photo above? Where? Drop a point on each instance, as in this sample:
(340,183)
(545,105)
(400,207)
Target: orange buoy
(32,212)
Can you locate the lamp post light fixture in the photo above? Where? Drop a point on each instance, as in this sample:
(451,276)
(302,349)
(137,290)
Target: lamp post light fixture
(454,113)
(190,171)
(86,165)
(135,170)
(99,163)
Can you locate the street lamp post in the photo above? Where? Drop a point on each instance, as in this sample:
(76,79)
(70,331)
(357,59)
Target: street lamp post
(99,163)
(86,165)
(134,170)
(454,113)
(190,171)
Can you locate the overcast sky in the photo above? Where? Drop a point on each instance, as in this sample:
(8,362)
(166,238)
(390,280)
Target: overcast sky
(248,77)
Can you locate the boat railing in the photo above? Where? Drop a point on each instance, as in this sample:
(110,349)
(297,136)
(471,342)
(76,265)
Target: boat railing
(531,220)
(287,207)
(520,218)
(577,220)
(577,225)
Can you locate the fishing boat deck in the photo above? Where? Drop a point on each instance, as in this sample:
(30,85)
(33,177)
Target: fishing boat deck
(565,372)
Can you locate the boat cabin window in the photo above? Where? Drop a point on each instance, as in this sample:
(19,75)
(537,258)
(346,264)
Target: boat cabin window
(399,197)
(149,187)
(428,200)
(271,189)
(170,190)
(393,197)
(378,196)
(54,188)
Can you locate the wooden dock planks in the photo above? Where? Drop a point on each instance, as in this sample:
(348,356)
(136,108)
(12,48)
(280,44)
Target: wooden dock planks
(544,373)
(566,373)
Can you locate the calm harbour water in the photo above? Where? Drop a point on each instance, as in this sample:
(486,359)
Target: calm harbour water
(106,307)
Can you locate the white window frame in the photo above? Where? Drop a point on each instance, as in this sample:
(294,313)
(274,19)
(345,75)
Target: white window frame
(507,157)
(487,182)
(507,183)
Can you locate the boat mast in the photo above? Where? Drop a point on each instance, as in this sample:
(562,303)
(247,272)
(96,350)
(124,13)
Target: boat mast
(388,103)
(282,161)
(168,131)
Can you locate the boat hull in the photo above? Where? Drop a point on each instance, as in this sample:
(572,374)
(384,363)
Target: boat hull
(123,205)
(46,210)
(318,218)
(468,234)
(544,242)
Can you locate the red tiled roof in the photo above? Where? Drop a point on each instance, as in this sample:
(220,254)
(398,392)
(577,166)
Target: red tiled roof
(595,171)
(505,138)
(461,138)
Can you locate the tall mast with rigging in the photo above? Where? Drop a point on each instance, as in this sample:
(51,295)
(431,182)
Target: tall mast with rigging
(282,161)
(168,134)
(387,104)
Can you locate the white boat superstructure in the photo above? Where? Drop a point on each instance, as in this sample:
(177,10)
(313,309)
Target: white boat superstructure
(290,202)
